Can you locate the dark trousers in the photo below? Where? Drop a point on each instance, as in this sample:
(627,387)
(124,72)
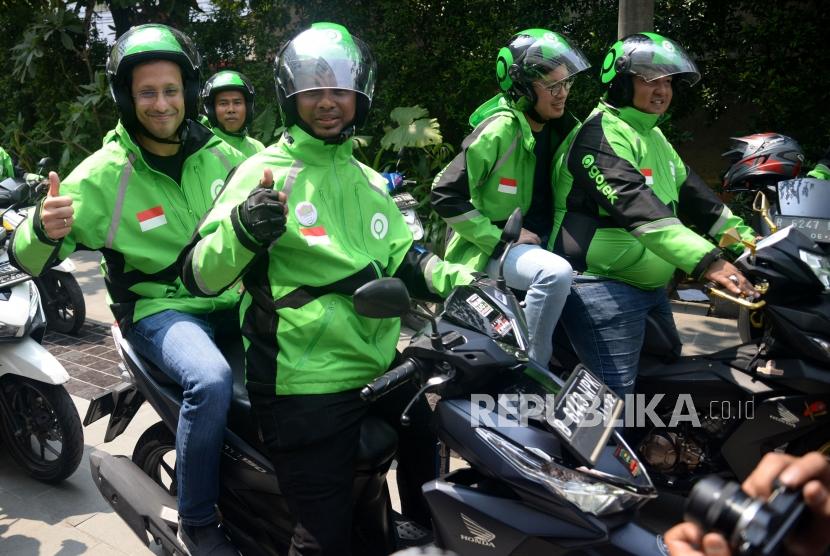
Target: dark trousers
(313,441)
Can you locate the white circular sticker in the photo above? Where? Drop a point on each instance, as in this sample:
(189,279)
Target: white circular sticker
(216,187)
(306,213)
(379,225)
(668,46)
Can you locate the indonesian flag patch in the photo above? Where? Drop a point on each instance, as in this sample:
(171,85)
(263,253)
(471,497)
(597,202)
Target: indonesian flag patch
(648,175)
(507,185)
(151,218)
(316,235)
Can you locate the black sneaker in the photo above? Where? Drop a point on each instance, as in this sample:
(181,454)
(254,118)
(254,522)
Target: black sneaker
(205,540)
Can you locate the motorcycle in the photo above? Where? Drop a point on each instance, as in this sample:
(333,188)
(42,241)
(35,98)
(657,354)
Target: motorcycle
(39,424)
(769,164)
(559,482)
(61,295)
(756,397)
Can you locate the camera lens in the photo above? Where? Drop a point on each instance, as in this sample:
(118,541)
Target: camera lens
(717,505)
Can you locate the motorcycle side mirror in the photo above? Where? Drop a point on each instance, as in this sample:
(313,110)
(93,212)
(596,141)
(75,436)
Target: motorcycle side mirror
(382,299)
(760,204)
(43,165)
(386,298)
(509,235)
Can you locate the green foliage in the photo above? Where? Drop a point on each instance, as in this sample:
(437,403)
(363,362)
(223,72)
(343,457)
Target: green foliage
(437,54)
(415,148)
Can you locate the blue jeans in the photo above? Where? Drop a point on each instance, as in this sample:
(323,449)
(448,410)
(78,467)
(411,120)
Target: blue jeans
(182,346)
(546,278)
(606,321)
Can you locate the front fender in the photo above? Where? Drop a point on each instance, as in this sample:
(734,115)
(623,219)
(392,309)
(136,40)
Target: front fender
(26,357)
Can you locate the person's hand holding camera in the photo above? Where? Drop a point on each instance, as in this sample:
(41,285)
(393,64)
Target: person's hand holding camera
(263,213)
(810,474)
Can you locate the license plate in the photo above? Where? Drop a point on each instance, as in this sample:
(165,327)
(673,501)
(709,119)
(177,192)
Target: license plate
(584,414)
(817,229)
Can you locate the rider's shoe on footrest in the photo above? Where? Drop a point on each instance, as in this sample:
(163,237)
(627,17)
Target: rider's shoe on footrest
(206,540)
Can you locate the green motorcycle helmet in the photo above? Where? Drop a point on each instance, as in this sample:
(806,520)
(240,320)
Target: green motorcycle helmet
(649,56)
(145,43)
(227,81)
(325,56)
(530,55)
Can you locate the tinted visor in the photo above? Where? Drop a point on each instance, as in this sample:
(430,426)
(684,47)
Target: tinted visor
(550,52)
(655,59)
(326,59)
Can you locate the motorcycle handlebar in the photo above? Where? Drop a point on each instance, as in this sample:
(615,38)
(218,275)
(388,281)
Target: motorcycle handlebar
(388,381)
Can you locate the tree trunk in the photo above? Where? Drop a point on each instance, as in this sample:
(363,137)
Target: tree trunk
(635,16)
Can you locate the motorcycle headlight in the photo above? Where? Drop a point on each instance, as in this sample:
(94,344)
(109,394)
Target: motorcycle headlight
(586,491)
(819,264)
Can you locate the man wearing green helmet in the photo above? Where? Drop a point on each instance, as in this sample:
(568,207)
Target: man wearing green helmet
(506,163)
(623,198)
(138,200)
(319,225)
(228,107)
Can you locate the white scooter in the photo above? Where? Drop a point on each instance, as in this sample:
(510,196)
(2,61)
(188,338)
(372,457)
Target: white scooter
(39,424)
(60,293)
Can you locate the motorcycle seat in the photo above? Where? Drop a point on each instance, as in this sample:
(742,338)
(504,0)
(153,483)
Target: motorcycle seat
(378,440)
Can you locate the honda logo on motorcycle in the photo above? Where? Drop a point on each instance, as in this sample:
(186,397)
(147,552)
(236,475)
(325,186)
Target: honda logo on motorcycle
(478,533)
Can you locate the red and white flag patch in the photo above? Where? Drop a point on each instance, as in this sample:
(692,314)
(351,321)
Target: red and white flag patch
(151,218)
(315,236)
(507,185)
(647,172)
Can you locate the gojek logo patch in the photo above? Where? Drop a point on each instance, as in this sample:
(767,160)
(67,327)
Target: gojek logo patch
(379,225)
(596,175)
(151,218)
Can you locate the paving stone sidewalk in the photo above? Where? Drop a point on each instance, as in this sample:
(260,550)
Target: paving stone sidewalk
(90,358)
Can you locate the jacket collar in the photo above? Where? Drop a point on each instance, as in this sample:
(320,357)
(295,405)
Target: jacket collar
(639,120)
(312,151)
(197,137)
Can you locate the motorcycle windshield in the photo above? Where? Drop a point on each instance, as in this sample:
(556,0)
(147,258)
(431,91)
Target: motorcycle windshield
(806,197)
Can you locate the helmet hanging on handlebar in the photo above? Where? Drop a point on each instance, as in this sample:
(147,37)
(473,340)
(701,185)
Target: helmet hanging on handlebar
(146,43)
(761,159)
(325,56)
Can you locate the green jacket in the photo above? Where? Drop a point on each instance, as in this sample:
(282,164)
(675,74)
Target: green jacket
(6,165)
(491,176)
(242,142)
(300,330)
(139,219)
(622,195)
(821,171)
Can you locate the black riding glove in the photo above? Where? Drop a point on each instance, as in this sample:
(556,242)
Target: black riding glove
(262,215)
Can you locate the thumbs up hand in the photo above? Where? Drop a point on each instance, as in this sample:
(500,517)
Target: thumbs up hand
(56,215)
(264,212)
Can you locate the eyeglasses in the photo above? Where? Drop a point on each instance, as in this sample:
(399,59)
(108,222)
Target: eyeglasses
(150,96)
(554,89)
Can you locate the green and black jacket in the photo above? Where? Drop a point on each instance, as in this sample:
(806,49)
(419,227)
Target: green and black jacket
(139,218)
(491,176)
(300,329)
(628,208)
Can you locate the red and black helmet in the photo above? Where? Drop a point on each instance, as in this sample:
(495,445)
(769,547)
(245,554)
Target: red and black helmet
(762,159)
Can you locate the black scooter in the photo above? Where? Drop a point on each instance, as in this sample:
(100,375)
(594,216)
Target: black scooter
(733,406)
(552,479)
